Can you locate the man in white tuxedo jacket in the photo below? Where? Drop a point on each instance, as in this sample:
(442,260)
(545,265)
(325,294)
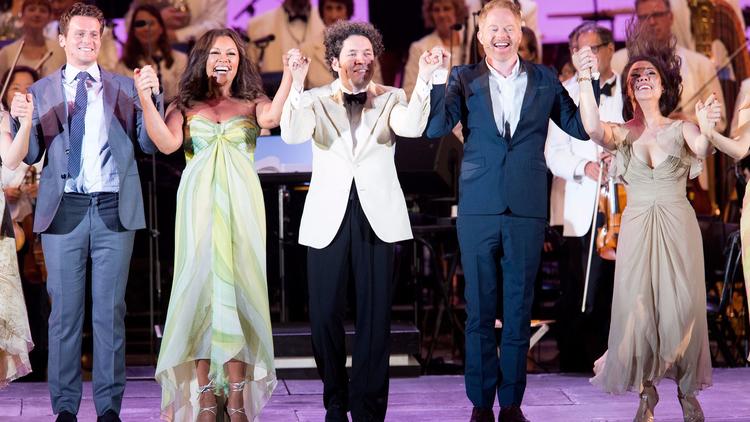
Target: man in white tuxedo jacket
(574,164)
(355,210)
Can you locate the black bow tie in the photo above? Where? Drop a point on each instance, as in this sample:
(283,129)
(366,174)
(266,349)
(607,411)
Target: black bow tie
(301,17)
(607,89)
(350,99)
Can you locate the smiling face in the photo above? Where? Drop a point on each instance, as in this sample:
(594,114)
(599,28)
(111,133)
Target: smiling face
(644,81)
(223,61)
(355,63)
(500,34)
(82,41)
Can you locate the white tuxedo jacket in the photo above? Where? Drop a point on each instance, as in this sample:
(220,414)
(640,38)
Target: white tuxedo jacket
(573,194)
(319,114)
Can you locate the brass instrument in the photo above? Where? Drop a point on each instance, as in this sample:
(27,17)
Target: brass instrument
(702,24)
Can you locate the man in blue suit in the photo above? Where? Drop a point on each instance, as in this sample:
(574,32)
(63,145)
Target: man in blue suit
(504,105)
(88,122)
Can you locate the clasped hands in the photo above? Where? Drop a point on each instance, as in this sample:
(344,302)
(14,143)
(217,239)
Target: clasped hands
(22,107)
(708,113)
(585,62)
(146,79)
(431,61)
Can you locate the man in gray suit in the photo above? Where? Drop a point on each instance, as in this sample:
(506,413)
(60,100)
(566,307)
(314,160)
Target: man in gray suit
(89,206)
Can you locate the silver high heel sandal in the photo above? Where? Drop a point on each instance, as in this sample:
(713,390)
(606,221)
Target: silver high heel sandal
(208,388)
(691,409)
(236,387)
(649,398)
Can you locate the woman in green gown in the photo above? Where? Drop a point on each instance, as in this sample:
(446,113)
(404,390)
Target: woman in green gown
(217,338)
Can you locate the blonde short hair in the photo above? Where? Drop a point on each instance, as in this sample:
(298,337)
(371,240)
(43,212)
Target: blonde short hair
(500,4)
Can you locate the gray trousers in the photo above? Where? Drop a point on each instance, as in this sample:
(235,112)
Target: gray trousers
(87,226)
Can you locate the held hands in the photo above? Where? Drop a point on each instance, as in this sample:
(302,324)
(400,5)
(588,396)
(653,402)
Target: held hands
(298,65)
(22,107)
(146,79)
(430,61)
(708,113)
(585,62)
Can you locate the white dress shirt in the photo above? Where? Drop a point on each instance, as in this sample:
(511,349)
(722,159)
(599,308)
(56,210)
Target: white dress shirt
(573,194)
(507,96)
(98,168)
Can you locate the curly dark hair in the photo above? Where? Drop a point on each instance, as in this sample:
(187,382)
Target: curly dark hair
(133,50)
(81,9)
(194,86)
(642,46)
(341,30)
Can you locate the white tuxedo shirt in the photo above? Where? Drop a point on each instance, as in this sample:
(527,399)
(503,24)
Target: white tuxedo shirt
(573,193)
(364,154)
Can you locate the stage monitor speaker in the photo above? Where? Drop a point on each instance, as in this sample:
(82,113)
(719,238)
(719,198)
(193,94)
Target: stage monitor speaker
(429,166)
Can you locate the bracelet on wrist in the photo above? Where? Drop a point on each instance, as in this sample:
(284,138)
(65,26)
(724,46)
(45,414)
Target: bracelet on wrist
(580,79)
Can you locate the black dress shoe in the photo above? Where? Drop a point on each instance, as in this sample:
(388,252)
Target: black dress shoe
(108,416)
(511,414)
(66,416)
(480,414)
(336,413)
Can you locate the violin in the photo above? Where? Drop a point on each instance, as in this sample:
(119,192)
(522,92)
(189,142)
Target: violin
(612,201)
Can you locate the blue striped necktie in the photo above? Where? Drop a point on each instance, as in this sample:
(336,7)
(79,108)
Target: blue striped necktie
(78,125)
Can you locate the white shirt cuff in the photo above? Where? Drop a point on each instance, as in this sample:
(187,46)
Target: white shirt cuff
(294,96)
(422,88)
(580,170)
(440,76)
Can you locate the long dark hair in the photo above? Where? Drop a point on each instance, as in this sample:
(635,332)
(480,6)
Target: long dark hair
(194,84)
(643,47)
(133,50)
(16,70)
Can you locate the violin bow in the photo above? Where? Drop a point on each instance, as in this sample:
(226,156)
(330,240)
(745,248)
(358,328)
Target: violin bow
(592,236)
(10,73)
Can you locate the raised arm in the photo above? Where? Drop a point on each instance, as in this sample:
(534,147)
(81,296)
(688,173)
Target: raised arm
(167,136)
(445,103)
(268,112)
(584,60)
(13,149)
(409,120)
(297,116)
(709,114)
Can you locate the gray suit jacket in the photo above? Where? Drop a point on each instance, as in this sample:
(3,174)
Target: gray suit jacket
(50,132)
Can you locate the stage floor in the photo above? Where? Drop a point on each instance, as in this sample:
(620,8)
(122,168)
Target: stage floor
(549,398)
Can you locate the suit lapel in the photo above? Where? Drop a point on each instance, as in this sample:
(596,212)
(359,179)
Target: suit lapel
(57,100)
(110,97)
(528,98)
(480,83)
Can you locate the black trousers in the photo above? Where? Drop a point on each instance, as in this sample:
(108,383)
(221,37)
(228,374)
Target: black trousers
(355,250)
(582,337)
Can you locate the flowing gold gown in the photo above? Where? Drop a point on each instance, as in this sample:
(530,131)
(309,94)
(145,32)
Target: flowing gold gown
(659,326)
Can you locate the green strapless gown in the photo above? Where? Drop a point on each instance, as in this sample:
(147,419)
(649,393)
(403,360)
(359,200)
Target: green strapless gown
(218,309)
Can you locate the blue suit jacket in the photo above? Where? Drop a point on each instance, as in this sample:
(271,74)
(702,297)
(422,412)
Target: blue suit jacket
(497,175)
(50,132)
